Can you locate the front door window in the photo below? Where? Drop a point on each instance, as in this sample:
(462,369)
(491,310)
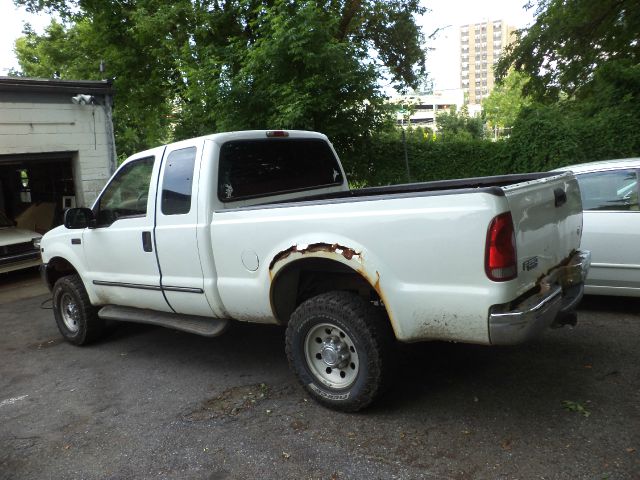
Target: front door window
(126,195)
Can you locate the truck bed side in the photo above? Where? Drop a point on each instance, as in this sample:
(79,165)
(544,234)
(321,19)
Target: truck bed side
(423,255)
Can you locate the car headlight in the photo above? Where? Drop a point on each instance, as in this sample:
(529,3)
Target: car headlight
(36,242)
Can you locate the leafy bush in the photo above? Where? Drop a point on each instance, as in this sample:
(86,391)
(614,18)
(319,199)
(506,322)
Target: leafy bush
(381,160)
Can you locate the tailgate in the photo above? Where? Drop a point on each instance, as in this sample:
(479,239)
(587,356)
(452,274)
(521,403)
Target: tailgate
(547,218)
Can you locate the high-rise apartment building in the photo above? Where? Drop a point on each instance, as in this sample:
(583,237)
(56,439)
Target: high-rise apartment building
(481,45)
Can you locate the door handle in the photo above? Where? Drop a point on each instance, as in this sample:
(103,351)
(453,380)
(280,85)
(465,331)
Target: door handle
(146,242)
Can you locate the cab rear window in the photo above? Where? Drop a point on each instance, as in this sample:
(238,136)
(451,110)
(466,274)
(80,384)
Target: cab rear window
(260,168)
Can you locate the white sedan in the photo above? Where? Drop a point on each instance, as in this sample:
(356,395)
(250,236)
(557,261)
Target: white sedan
(611,229)
(18,248)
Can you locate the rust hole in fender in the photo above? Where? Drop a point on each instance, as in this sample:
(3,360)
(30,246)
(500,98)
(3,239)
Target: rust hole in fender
(346,252)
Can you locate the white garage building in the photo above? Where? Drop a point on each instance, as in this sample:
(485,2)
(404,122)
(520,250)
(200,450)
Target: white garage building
(56,147)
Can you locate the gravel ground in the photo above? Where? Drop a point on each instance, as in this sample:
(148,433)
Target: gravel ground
(148,402)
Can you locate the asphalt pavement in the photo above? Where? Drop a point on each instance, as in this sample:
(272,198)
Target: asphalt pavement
(148,402)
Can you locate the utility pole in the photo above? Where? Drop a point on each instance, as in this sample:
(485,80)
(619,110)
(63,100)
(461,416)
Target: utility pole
(404,144)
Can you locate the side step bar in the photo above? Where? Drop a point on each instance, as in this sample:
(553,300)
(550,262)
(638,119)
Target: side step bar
(205,326)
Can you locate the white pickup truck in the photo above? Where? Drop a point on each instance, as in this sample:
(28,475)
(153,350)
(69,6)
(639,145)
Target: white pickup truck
(261,226)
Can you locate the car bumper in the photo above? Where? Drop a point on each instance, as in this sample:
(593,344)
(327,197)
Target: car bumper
(19,261)
(560,292)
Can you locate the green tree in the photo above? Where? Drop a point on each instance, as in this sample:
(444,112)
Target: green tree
(569,41)
(143,77)
(502,106)
(185,67)
(294,75)
(459,126)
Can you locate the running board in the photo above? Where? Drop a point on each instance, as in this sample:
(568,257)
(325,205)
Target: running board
(205,326)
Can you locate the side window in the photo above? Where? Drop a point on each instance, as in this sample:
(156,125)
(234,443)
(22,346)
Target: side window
(177,181)
(614,190)
(126,195)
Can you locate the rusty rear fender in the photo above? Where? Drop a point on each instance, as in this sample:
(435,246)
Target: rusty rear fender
(354,257)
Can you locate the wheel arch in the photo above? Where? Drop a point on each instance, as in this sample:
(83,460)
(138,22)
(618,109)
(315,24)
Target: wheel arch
(297,275)
(57,268)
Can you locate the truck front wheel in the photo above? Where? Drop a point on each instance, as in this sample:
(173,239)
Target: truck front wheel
(340,347)
(77,319)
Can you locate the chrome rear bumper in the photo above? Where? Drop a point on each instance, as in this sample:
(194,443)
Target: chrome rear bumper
(560,291)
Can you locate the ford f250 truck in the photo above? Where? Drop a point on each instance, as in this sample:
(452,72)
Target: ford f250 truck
(261,226)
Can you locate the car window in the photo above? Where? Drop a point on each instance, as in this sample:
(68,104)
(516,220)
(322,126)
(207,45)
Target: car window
(613,190)
(255,168)
(177,181)
(126,195)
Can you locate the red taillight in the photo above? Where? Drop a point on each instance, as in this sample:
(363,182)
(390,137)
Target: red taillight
(277,133)
(500,260)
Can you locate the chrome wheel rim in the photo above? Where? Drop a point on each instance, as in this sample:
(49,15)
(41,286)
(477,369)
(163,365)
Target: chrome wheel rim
(70,312)
(331,356)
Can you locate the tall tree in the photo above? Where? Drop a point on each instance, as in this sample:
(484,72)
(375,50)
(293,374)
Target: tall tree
(570,40)
(187,67)
(505,101)
(459,126)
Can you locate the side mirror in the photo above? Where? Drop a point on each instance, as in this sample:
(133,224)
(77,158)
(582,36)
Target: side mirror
(76,218)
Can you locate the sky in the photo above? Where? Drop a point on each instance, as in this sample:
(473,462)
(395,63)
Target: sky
(442,60)
(11,23)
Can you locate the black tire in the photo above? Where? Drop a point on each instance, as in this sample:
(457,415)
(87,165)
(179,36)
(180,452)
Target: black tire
(76,318)
(341,348)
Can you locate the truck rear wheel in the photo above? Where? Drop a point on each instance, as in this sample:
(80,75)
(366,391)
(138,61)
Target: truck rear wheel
(76,318)
(340,347)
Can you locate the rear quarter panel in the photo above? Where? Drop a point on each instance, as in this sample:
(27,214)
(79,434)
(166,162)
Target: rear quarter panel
(424,254)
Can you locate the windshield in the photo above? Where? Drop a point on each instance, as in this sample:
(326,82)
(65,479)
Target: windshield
(4,221)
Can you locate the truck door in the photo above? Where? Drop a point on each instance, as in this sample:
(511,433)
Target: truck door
(119,252)
(177,229)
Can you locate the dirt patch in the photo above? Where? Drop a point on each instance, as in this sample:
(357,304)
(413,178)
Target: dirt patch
(299,425)
(47,343)
(231,402)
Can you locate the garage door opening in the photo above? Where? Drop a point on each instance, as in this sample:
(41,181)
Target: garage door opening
(35,190)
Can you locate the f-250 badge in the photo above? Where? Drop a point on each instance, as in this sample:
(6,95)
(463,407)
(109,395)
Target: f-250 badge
(529,264)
